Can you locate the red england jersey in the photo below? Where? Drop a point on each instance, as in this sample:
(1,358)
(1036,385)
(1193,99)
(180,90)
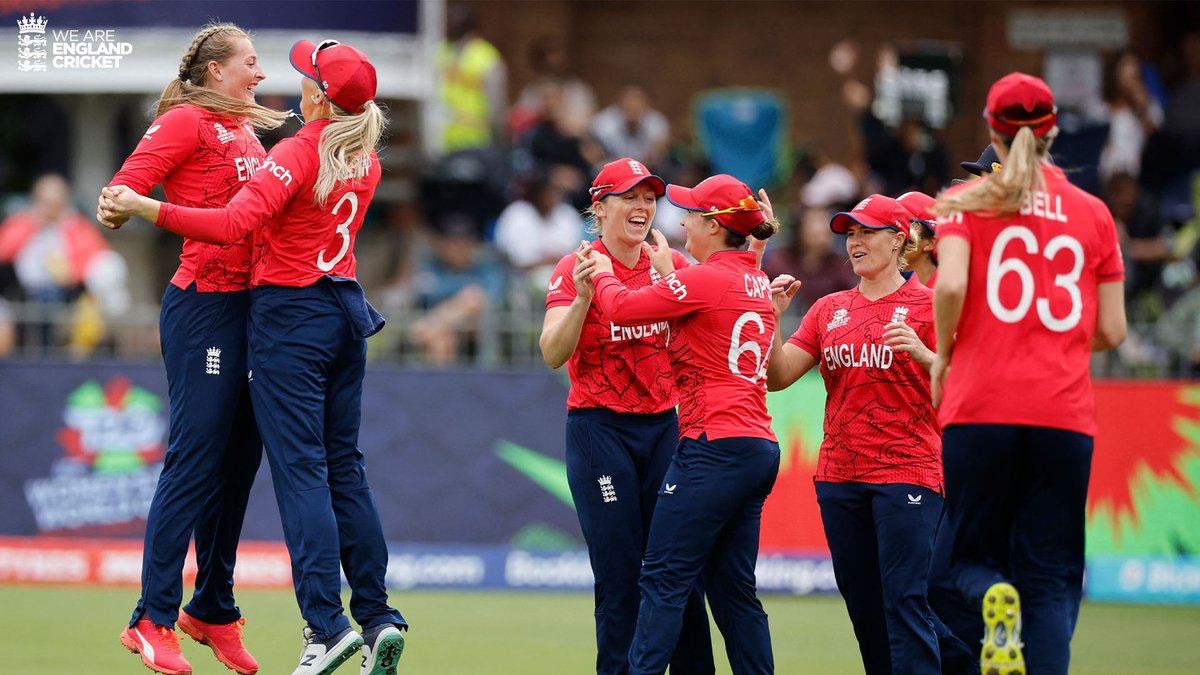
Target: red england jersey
(1023,346)
(725,322)
(303,241)
(622,367)
(202,159)
(880,423)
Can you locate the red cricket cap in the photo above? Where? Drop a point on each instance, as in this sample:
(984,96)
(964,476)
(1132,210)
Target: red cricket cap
(876,212)
(918,204)
(1019,100)
(728,199)
(622,175)
(343,73)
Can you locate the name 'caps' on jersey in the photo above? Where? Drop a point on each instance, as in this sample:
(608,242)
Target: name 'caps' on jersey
(723,314)
(880,423)
(1030,310)
(625,368)
(202,159)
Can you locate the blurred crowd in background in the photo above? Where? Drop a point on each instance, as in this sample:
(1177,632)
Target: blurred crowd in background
(460,265)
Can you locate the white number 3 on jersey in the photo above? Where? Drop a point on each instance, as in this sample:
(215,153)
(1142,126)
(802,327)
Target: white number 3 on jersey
(343,229)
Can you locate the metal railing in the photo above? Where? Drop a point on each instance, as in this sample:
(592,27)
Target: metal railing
(504,337)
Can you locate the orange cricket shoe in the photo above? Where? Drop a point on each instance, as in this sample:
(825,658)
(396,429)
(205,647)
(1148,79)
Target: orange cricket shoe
(158,647)
(225,639)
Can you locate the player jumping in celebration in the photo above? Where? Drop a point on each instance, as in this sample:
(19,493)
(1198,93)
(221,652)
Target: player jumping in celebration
(203,150)
(621,420)
(309,322)
(1029,285)
(706,521)
(879,475)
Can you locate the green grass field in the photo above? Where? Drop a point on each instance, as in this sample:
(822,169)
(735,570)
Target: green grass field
(56,631)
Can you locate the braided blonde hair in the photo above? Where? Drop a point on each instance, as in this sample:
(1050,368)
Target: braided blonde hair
(345,147)
(214,42)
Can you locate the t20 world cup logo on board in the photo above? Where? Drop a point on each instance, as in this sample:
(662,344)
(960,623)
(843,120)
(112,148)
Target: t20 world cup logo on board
(31,43)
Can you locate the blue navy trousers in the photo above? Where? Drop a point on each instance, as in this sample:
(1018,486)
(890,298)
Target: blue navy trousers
(1015,512)
(706,525)
(615,466)
(213,453)
(306,372)
(880,540)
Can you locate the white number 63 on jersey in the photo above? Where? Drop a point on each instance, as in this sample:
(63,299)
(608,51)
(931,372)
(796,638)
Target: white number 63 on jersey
(998,267)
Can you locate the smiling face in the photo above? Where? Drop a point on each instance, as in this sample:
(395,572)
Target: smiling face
(872,252)
(704,235)
(238,75)
(627,217)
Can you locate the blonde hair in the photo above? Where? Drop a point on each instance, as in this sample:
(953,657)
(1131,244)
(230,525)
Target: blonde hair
(1003,191)
(214,42)
(345,148)
(906,249)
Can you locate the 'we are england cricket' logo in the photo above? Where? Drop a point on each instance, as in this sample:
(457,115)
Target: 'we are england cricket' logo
(113,448)
(69,50)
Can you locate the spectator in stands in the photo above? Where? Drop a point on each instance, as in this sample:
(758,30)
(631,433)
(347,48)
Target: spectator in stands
(631,128)
(58,257)
(474,84)
(1179,332)
(561,143)
(1133,115)
(1145,246)
(552,70)
(455,286)
(534,233)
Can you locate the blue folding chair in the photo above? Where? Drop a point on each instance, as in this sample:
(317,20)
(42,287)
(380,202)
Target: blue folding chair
(743,132)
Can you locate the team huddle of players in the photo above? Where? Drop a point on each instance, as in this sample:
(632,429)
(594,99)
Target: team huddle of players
(946,503)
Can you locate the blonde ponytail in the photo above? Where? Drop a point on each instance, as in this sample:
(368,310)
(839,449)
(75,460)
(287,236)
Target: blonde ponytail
(214,42)
(345,148)
(1004,191)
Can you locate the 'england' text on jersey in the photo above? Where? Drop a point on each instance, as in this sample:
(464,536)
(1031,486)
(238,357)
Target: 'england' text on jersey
(246,166)
(858,356)
(622,333)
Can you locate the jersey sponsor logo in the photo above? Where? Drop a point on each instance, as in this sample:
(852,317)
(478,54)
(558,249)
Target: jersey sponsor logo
(623,333)
(864,355)
(150,131)
(757,286)
(277,170)
(901,315)
(655,277)
(1043,205)
(607,492)
(840,318)
(677,287)
(915,501)
(212,361)
(223,135)
(246,166)
(555,284)
(669,489)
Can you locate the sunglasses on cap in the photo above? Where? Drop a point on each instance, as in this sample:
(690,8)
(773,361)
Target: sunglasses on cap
(326,44)
(593,191)
(745,204)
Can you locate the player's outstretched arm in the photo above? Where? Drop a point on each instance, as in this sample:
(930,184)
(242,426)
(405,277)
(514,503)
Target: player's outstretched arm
(1111,325)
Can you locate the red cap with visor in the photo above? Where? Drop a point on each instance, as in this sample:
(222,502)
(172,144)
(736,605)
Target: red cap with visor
(877,212)
(622,175)
(1019,100)
(343,73)
(724,198)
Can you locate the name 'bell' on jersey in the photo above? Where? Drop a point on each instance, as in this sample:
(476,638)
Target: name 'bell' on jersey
(202,159)
(303,240)
(1030,310)
(880,424)
(723,315)
(621,367)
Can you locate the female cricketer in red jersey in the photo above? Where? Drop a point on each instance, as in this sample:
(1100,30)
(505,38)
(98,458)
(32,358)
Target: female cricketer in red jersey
(879,474)
(203,150)
(1029,269)
(309,322)
(706,520)
(920,258)
(621,420)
